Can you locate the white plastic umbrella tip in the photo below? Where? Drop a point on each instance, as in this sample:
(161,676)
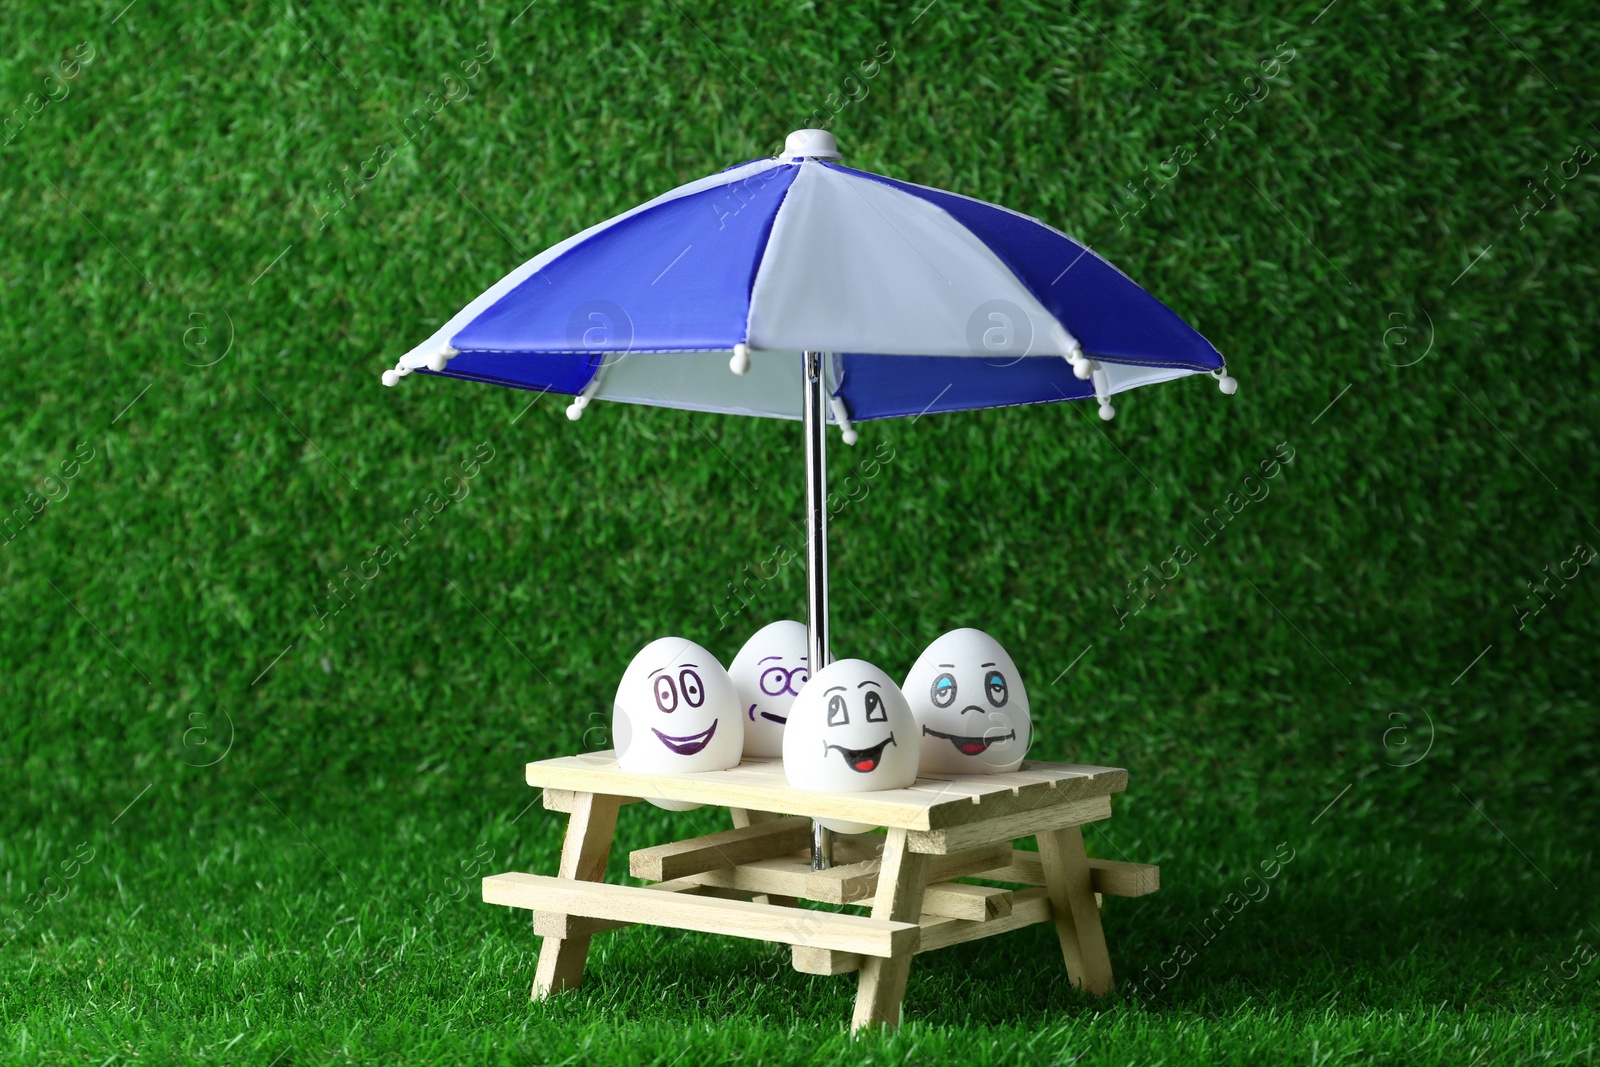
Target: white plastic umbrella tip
(815,144)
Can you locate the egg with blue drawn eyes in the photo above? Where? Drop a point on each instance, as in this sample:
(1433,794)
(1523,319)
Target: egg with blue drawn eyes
(676,710)
(970,705)
(768,673)
(850,731)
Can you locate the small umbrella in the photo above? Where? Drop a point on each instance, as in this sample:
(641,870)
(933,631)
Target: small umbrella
(799,288)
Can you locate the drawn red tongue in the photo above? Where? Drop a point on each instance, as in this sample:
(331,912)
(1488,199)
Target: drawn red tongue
(861,760)
(972,748)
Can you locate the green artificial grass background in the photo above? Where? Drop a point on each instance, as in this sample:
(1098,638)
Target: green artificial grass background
(240,827)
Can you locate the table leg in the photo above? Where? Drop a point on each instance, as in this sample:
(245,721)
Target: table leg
(1077,919)
(743,817)
(583,857)
(901,884)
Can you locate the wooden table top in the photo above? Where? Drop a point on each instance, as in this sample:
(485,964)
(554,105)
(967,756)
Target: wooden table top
(933,802)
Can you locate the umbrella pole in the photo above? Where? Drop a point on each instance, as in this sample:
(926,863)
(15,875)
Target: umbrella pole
(816,429)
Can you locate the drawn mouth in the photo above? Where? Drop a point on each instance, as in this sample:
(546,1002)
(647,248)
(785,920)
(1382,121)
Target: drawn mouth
(779,719)
(970,746)
(686,746)
(861,760)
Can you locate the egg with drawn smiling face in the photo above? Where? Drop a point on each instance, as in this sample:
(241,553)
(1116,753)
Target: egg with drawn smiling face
(676,710)
(850,731)
(970,705)
(768,673)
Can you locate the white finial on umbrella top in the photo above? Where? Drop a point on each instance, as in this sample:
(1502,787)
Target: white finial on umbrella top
(810,144)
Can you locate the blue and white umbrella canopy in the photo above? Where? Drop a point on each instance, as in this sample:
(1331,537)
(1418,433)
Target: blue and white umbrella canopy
(921,301)
(797,288)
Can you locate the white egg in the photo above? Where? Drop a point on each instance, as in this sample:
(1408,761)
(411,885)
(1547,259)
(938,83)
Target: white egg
(970,705)
(676,710)
(850,731)
(768,673)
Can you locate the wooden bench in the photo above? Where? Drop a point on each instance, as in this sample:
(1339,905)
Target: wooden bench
(746,882)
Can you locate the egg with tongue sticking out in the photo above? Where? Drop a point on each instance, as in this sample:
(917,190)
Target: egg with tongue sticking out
(850,731)
(970,705)
(676,710)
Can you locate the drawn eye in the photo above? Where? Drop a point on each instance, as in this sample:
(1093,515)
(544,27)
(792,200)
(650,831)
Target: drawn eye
(944,691)
(666,694)
(797,678)
(994,684)
(694,693)
(773,681)
(838,714)
(875,709)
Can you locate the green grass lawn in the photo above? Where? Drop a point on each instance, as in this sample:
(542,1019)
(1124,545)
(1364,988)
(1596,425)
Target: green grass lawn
(235,819)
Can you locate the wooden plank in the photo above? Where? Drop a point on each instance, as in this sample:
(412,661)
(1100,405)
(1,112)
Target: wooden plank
(901,886)
(780,879)
(792,875)
(583,858)
(555,924)
(957,900)
(563,800)
(1028,906)
(750,817)
(1114,878)
(729,848)
(1030,798)
(994,796)
(769,769)
(938,789)
(1061,771)
(789,877)
(759,784)
(753,784)
(1010,827)
(735,918)
(1012,781)
(1072,905)
(851,882)
(809,960)
(1033,787)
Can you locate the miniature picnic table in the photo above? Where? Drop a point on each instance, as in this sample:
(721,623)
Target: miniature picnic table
(745,882)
